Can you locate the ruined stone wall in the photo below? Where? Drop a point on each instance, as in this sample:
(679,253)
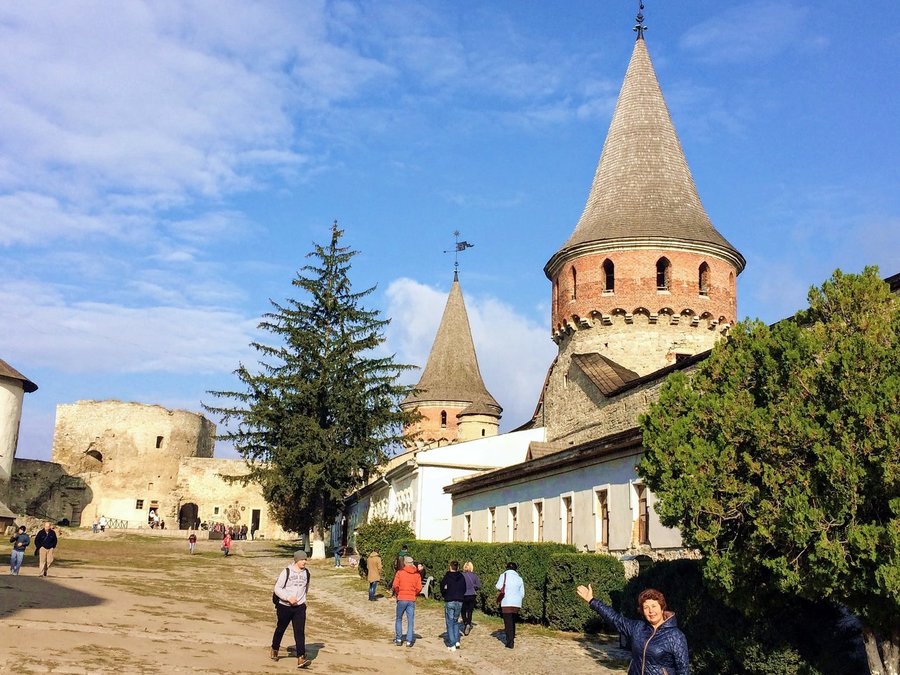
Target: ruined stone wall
(128,453)
(201,482)
(44,490)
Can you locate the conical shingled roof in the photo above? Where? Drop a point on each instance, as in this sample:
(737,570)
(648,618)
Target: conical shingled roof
(452,373)
(643,189)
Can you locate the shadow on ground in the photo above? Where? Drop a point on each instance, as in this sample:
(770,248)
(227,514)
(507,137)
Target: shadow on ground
(20,592)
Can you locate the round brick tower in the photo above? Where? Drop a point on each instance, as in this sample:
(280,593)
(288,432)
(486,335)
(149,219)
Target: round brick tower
(645,277)
(451,397)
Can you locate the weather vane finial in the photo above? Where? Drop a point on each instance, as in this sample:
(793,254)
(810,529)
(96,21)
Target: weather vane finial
(640,27)
(460,246)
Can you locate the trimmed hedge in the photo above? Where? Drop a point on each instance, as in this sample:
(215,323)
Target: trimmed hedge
(381,533)
(783,635)
(564,609)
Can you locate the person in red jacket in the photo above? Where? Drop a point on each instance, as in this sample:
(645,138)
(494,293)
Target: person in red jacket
(226,544)
(407,585)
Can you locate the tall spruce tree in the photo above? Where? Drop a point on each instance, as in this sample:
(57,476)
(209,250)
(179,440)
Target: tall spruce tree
(780,458)
(321,410)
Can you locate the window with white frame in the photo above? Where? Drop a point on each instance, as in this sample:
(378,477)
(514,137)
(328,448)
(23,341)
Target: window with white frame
(492,525)
(567,515)
(513,522)
(601,515)
(539,521)
(467,526)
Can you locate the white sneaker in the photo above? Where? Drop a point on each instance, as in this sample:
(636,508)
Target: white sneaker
(452,649)
(457,645)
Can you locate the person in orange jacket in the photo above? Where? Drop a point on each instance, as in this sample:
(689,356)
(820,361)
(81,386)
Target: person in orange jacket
(407,585)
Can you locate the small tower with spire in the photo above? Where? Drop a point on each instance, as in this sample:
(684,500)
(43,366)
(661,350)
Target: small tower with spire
(451,397)
(644,278)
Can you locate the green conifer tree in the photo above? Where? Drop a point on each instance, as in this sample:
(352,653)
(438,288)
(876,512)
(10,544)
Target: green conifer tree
(321,410)
(780,458)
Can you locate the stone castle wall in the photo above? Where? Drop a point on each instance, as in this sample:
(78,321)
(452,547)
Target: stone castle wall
(202,482)
(129,454)
(576,412)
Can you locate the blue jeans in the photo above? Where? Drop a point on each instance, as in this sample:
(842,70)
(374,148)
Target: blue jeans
(452,610)
(373,586)
(15,561)
(407,607)
(337,559)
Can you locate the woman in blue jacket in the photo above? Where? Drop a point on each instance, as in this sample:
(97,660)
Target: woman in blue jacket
(658,647)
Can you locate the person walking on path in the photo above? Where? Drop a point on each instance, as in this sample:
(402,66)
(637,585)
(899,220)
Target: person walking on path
(290,591)
(657,644)
(373,564)
(406,586)
(226,544)
(511,594)
(192,541)
(473,585)
(453,590)
(102,523)
(338,552)
(20,541)
(45,544)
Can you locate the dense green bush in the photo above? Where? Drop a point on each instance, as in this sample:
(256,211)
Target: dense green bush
(490,562)
(565,610)
(380,534)
(783,636)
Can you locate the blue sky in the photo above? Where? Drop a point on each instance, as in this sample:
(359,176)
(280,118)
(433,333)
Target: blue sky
(165,167)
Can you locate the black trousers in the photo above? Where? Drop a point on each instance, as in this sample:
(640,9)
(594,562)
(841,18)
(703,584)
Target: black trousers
(296,616)
(467,608)
(509,627)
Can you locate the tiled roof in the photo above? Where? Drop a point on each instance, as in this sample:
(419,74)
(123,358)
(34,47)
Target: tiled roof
(7,370)
(451,373)
(643,190)
(606,374)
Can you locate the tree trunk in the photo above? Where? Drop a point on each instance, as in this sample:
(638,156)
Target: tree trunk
(318,531)
(887,660)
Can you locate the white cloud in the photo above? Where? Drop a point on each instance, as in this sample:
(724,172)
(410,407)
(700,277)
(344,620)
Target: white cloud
(513,351)
(749,31)
(44,329)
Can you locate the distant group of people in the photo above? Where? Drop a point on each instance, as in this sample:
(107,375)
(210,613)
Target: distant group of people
(45,542)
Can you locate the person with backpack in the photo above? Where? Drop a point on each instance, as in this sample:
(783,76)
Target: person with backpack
(289,597)
(399,561)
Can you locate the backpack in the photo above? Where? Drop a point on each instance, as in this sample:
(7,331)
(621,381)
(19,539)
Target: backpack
(287,575)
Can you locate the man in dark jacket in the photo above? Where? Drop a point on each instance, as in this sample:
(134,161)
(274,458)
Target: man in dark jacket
(45,545)
(20,541)
(453,589)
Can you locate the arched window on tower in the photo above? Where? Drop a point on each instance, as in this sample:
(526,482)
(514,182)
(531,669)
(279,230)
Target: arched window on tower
(704,279)
(443,419)
(574,283)
(609,276)
(663,274)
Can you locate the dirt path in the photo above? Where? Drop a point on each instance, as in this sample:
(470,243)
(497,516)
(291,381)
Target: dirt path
(126,604)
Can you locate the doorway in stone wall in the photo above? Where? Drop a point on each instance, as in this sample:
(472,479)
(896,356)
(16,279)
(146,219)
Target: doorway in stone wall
(254,522)
(187,516)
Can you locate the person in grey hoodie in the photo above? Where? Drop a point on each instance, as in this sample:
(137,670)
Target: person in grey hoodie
(290,608)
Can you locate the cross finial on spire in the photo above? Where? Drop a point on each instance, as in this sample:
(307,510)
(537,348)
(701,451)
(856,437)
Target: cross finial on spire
(640,27)
(460,246)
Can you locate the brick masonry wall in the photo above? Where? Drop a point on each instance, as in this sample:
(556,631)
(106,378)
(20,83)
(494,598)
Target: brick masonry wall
(635,286)
(429,430)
